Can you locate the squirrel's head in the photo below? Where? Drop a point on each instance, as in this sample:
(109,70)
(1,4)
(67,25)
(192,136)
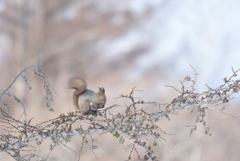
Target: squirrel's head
(101,99)
(101,89)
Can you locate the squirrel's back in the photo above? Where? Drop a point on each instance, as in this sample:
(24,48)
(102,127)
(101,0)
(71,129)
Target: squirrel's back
(86,95)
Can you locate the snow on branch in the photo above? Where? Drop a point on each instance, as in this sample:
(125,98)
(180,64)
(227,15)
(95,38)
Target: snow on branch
(133,123)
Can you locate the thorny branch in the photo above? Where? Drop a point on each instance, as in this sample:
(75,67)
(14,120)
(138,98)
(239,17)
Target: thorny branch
(15,79)
(133,124)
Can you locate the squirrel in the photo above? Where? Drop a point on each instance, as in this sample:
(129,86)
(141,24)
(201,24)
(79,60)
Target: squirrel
(86,100)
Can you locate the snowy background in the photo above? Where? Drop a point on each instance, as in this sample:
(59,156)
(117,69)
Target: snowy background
(204,34)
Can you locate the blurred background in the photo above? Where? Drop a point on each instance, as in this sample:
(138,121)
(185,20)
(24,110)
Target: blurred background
(123,44)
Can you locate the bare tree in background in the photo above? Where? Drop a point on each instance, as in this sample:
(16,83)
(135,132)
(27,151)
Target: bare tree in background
(39,29)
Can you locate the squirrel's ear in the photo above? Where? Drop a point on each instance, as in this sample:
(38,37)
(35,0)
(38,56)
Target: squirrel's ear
(101,89)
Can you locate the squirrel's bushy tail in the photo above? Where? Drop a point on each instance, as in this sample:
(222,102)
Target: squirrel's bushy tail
(79,85)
